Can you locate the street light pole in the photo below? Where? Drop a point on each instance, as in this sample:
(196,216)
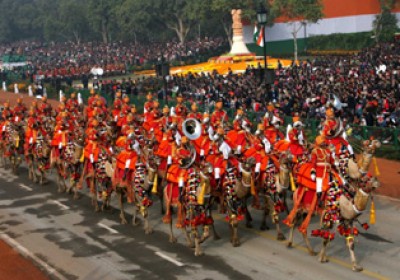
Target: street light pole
(262,15)
(265,56)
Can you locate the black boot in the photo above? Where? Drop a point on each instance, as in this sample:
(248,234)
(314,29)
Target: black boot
(319,200)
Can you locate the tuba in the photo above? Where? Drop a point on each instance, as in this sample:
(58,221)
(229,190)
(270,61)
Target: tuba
(191,128)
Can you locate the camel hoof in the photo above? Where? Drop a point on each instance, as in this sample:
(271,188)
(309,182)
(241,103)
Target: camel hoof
(313,253)
(264,227)
(136,222)
(124,222)
(236,243)
(198,254)
(190,245)
(289,245)
(172,240)
(281,237)
(148,231)
(357,268)
(322,259)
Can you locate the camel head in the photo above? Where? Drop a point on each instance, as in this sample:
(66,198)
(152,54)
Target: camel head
(249,164)
(371,146)
(370,183)
(207,168)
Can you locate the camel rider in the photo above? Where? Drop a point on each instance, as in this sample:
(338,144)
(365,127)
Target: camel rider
(219,153)
(323,161)
(7,110)
(194,114)
(148,105)
(334,133)
(60,139)
(92,98)
(72,103)
(45,108)
(297,140)
(219,117)
(180,109)
(202,144)
(236,138)
(125,167)
(272,122)
(20,109)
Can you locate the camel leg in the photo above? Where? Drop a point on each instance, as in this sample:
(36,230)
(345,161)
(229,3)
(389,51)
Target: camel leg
(350,244)
(197,251)
(215,234)
(322,255)
(308,244)
(147,227)
(59,182)
(172,238)
(189,240)
(248,216)
(76,191)
(135,221)
(30,170)
(121,207)
(234,224)
(264,225)
(291,231)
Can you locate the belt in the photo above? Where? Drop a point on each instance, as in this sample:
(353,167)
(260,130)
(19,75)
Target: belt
(323,164)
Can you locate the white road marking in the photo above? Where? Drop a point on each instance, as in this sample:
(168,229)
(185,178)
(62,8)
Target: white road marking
(25,252)
(25,187)
(65,207)
(165,257)
(107,228)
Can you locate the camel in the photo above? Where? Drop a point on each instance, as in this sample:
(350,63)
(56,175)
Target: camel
(39,160)
(73,154)
(196,199)
(235,194)
(275,194)
(350,205)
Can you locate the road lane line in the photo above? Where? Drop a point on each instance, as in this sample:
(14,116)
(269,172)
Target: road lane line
(65,207)
(107,228)
(165,257)
(28,254)
(339,262)
(25,187)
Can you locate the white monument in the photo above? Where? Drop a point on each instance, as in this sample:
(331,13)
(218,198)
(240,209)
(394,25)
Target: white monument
(238,45)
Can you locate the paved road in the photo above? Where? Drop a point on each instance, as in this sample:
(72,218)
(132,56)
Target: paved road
(72,242)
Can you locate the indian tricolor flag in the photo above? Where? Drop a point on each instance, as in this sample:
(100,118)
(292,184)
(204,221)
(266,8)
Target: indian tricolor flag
(258,36)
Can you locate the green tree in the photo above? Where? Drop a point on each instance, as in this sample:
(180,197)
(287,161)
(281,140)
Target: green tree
(102,17)
(385,23)
(73,17)
(298,13)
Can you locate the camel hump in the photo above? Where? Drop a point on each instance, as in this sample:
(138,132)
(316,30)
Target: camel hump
(304,178)
(282,145)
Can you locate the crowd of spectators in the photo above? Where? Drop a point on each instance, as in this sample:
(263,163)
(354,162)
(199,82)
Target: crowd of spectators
(367,83)
(70,60)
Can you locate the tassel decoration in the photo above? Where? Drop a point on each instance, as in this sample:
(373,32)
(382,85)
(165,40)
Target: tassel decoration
(377,173)
(372,218)
(200,198)
(82,159)
(292,184)
(155,184)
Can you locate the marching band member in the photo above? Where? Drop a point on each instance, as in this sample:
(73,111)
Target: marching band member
(334,133)
(219,116)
